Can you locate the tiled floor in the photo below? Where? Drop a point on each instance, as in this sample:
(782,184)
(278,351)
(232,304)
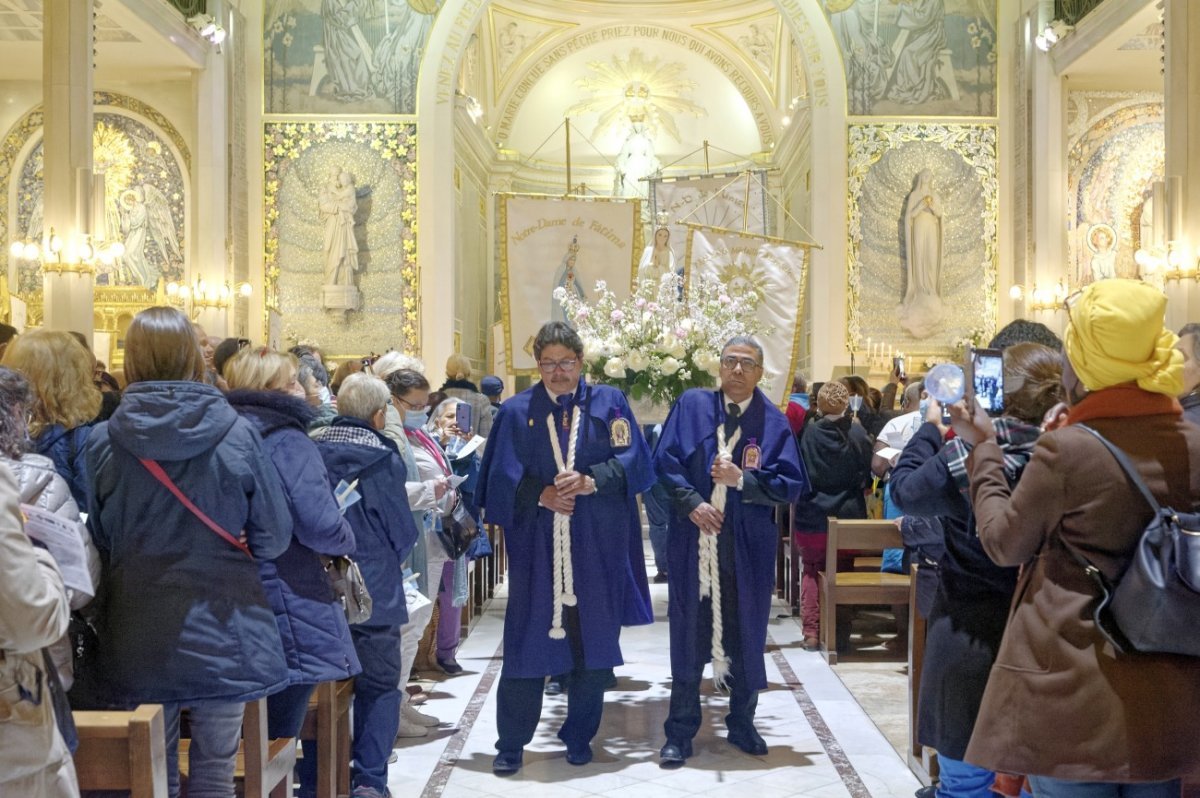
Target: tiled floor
(821,741)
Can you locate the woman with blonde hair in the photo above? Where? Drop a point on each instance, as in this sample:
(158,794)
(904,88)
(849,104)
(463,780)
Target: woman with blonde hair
(265,391)
(66,400)
(182,502)
(458,385)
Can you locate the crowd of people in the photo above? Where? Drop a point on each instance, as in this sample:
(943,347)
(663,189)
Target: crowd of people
(222,486)
(225,482)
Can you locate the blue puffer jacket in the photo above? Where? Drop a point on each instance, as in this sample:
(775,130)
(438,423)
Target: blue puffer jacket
(66,447)
(182,612)
(311,621)
(383,524)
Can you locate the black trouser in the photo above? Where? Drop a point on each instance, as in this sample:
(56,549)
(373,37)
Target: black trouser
(684,719)
(519,701)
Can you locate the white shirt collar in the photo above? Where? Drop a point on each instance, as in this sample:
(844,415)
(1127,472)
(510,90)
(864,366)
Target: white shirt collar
(725,401)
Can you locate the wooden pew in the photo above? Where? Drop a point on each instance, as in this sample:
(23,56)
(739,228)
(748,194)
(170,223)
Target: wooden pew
(857,587)
(265,765)
(328,723)
(123,751)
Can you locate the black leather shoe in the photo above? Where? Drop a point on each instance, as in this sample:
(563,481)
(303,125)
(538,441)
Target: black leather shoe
(579,756)
(926,792)
(507,763)
(674,754)
(449,666)
(749,741)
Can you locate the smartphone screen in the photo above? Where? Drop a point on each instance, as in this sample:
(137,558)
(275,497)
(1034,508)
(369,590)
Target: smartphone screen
(462,416)
(987,379)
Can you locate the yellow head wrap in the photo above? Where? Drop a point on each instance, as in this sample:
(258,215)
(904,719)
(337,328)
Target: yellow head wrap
(1115,334)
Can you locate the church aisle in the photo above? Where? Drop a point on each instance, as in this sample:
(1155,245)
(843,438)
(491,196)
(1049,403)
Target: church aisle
(822,743)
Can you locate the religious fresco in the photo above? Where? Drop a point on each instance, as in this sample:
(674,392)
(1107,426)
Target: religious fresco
(1116,151)
(917,57)
(923,216)
(145,204)
(340,234)
(344,56)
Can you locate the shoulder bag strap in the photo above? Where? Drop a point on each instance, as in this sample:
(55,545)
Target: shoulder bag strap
(1129,468)
(158,473)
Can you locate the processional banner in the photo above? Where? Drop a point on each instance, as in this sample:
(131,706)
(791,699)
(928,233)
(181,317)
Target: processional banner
(560,242)
(726,201)
(769,273)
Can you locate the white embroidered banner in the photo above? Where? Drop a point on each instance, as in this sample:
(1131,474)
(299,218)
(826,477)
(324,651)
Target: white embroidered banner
(773,275)
(719,201)
(553,242)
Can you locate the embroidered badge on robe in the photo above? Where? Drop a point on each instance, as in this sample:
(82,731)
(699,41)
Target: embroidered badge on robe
(752,456)
(619,434)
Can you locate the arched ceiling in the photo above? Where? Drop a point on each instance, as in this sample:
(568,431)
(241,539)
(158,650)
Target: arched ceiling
(725,71)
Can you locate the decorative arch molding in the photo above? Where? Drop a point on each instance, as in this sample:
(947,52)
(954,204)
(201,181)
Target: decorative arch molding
(448,40)
(553,49)
(27,132)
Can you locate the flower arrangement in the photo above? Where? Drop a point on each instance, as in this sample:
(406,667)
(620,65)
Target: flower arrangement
(653,346)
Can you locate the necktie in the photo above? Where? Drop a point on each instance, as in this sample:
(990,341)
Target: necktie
(732,412)
(564,422)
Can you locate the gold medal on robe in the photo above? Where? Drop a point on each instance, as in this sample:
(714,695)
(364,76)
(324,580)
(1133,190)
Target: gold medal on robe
(619,434)
(752,456)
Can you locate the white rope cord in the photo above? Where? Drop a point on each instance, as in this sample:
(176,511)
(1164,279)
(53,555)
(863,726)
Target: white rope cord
(564,574)
(710,569)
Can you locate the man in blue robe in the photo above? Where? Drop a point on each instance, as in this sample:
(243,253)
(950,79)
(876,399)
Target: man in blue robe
(566,604)
(759,468)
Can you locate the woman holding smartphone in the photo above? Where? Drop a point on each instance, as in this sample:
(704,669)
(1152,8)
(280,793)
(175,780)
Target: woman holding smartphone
(967,619)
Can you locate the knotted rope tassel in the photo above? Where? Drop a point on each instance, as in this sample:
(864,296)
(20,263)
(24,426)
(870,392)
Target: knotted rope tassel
(564,574)
(710,569)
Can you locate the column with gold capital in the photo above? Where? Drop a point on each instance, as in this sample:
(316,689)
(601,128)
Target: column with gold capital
(67,106)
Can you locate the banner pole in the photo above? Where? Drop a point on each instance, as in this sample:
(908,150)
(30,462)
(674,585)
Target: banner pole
(746,205)
(567,124)
(706,168)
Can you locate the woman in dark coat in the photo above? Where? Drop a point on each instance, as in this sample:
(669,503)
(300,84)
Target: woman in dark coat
(837,455)
(1061,705)
(971,604)
(183,619)
(354,449)
(312,623)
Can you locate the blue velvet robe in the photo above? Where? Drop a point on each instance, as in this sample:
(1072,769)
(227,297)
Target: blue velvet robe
(610,585)
(684,459)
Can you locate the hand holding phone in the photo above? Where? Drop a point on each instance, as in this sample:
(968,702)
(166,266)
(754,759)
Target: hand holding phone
(985,368)
(462,418)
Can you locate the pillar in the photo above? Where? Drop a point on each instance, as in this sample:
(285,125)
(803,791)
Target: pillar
(210,191)
(67,101)
(1182,95)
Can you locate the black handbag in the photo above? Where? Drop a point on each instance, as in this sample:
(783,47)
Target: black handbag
(457,532)
(1153,606)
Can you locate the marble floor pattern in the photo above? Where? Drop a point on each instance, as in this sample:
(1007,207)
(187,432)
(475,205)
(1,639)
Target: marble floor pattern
(822,743)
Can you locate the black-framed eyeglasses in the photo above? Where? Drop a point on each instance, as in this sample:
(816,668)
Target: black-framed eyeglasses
(414,407)
(732,362)
(243,343)
(551,366)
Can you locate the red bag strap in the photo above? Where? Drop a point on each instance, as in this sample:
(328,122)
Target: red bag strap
(157,472)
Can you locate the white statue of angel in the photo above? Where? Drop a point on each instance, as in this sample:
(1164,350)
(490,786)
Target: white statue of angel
(146,219)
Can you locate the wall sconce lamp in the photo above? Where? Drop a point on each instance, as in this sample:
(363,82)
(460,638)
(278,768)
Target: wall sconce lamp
(1176,261)
(202,295)
(1052,34)
(206,25)
(1041,298)
(73,253)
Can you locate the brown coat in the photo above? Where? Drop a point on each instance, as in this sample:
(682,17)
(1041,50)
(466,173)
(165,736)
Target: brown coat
(1059,702)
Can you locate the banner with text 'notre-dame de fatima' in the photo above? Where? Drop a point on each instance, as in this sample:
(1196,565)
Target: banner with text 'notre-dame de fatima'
(773,272)
(560,242)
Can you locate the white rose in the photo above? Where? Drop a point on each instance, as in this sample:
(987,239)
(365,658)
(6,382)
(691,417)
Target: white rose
(678,351)
(687,325)
(592,349)
(613,348)
(637,360)
(615,368)
(669,366)
(667,343)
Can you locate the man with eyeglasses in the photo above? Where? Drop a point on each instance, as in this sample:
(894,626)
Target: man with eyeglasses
(727,457)
(564,464)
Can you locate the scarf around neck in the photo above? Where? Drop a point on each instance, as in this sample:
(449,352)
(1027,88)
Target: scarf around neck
(1016,439)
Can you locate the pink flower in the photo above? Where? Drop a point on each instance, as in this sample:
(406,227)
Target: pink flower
(641,303)
(654,307)
(617,316)
(582,313)
(724,299)
(680,332)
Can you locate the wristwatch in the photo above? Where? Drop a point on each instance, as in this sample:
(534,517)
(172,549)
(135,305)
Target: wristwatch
(591,483)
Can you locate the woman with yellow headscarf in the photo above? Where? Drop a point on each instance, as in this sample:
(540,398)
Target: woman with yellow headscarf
(1061,705)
